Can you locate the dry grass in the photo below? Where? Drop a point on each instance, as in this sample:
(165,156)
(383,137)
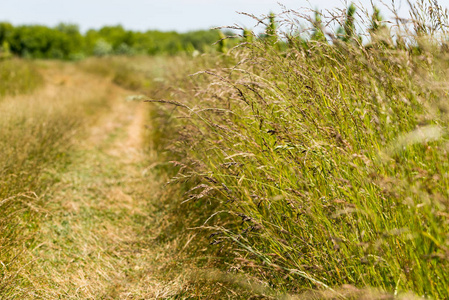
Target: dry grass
(99,241)
(86,221)
(18,77)
(36,135)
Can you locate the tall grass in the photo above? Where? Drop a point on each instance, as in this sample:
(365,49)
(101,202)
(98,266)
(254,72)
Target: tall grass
(18,77)
(322,165)
(36,132)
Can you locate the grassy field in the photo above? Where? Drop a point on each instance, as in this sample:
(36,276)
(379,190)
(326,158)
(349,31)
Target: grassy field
(280,169)
(315,166)
(37,130)
(84,208)
(18,77)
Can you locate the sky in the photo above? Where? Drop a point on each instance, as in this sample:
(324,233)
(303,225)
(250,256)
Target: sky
(179,15)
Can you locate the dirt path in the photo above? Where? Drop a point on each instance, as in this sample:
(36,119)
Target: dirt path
(98,238)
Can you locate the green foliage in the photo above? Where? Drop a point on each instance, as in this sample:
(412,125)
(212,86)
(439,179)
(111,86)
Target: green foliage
(102,48)
(66,42)
(317,31)
(5,51)
(222,43)
(322,166)
(271,28)
(270,32)
(5,31)
(349,22)
(37,41)
(347,31)
(248,35)
(376,21)
(201,40)
(380,33)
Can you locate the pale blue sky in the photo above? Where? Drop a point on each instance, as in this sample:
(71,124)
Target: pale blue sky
(180,15)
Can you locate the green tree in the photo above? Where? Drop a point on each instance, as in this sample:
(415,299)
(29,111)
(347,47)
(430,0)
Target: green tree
(102,48)
(6,30)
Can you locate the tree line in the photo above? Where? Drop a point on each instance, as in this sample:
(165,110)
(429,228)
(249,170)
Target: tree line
(65,41)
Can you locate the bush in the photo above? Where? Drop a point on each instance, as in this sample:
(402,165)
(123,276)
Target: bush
(102,48)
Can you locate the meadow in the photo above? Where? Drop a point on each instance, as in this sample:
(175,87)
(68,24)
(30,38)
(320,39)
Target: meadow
(36,133)
(315,166)
(303,163)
